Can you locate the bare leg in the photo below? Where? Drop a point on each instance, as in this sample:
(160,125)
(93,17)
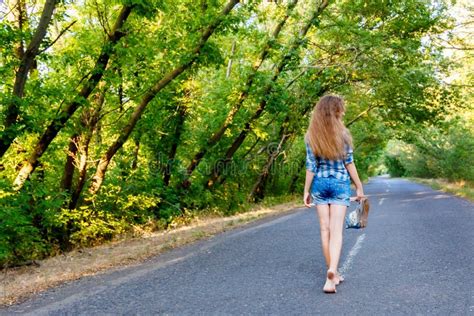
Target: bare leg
(324,225)
(323,214)
(336,220)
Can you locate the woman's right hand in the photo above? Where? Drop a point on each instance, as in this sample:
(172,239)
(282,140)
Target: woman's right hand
(307,199)
(360,194)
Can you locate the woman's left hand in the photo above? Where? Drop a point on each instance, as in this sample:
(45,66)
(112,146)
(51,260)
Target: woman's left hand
(307,199)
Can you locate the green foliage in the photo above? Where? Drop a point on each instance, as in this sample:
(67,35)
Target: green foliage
(435,153)
(19,239)
(87,226)
(395,166)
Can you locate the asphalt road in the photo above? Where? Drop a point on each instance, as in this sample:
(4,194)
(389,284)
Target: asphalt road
(414,258)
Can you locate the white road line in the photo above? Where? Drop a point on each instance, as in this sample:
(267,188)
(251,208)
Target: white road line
(350,257)
(388,186)
(381,201)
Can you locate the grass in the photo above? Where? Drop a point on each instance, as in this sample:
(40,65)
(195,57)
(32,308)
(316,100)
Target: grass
(460,188)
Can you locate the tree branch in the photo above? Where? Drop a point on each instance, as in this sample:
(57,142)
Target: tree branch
(57,38)
(361,114)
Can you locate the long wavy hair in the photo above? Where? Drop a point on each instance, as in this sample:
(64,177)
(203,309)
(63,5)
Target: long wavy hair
(326,133)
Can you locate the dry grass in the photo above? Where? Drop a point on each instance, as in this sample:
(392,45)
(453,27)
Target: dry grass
(459,188)
(19,283)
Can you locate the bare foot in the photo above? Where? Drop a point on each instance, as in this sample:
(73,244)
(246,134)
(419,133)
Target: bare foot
(330,286)
(331,274)
(338,278)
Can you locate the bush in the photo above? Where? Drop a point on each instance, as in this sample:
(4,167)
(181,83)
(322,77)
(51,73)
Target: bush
(20,240)
(434,153)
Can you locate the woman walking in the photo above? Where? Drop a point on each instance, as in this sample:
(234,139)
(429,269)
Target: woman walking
(329,168)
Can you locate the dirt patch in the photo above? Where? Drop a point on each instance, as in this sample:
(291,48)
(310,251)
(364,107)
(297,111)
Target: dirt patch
(19,283)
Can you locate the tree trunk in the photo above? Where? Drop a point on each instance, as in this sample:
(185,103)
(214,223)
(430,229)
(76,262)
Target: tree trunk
(21,19)
(88,122)
(163,82)
(296,176)
(58,123)
(257,192)
(135,154)
(175,141)
(69,165)
(98,135)
(220,167)
(27,61)
(82,168)
(229,64)
(217,135)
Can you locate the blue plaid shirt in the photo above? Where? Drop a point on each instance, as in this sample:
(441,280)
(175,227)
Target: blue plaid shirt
(323,168)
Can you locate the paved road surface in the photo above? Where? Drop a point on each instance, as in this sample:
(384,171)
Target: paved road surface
(415,258)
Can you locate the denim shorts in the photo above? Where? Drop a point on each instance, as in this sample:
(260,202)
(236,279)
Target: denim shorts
(330,190)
